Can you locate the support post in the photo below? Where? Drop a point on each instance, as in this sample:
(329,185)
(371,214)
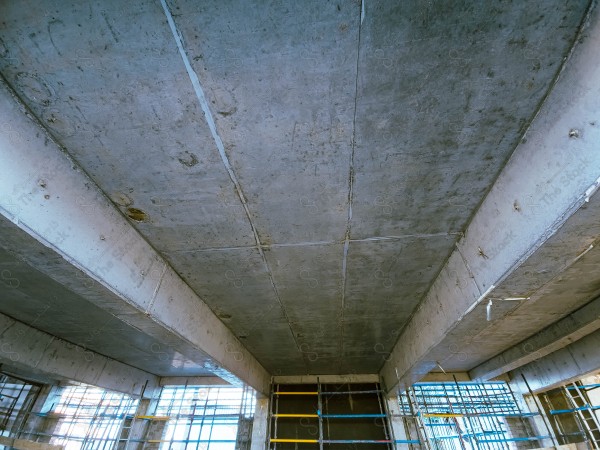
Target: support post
(259,427)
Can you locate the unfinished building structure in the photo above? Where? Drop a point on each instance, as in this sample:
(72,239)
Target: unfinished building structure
(232,224)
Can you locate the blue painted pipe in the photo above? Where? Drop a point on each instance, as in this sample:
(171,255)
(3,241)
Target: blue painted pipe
(584,386)
(534,438)
(565,411)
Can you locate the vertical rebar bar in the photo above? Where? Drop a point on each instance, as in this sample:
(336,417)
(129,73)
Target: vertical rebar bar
(466,412)
(541,409)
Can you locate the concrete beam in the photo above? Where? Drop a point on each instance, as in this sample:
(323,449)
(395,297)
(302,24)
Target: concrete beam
(193,381)
(329,379)
(551,174)
(47,195)
(28,350)
(570,363)
(449,376)
(582,322)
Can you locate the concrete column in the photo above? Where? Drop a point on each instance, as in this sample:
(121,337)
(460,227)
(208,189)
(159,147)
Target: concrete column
(138,427)
(142,429)
(244,434)
(260,425)
(529,426)
(402,429)
(521,427)
(155,431)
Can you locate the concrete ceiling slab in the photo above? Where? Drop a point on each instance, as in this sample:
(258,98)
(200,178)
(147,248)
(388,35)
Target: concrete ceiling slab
(282,82)
(126,111)
(445,90)
(395,272)
(312,184)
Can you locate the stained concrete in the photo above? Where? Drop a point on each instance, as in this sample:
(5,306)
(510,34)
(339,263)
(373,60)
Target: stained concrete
(313,184)
(133,280)
(511,226)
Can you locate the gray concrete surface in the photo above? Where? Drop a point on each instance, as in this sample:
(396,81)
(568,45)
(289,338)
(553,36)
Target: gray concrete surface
(260,424)
(24,349)
(563,366)
(517,218)
(136,284)
(569,329)
(283,187)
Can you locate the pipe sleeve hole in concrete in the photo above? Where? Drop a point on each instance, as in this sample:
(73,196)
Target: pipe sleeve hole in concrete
(137,214)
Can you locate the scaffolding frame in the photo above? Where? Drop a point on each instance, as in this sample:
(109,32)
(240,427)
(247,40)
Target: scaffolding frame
(17,397)
(319,414)
(462,415)
(580,408)
(201,415)
(91,418)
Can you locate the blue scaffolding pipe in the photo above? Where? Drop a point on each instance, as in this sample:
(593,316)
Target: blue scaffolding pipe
(468,435)
(510,415)
(534,438)
(584,386)
(581,408)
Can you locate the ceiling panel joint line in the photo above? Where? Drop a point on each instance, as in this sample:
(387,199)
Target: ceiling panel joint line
(351,176)
(221,148)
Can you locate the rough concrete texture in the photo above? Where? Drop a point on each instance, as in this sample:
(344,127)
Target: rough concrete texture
(557,279)
(138,285)
(547,186)
(306,168)
(571,328)
(563,366)
(45,300)
(260,424)
(26,349)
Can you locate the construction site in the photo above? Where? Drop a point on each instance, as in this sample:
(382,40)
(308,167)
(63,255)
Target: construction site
(311,225)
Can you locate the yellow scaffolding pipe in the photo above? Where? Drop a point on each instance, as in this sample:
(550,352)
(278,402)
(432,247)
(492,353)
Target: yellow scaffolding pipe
(296,393)
(293,441)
